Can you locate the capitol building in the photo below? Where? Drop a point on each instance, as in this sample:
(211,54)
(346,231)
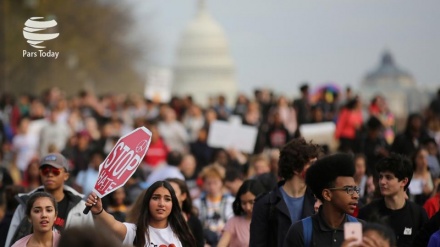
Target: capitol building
(397,85)
(204,67)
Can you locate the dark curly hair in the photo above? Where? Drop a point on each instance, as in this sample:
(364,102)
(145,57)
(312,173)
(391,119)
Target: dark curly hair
(324,172)
(294,155)
(397,164)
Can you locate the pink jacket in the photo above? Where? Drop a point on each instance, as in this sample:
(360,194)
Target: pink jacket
(22,242)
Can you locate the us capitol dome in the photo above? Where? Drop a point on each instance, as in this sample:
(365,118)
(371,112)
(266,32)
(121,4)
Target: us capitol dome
(204,67)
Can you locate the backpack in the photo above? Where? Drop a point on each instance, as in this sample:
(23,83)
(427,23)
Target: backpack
(308,228)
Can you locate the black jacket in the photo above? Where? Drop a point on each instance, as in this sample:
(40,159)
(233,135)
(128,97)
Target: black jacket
(271,217)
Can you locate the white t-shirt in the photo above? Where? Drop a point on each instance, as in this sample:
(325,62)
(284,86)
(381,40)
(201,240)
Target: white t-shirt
(158,237)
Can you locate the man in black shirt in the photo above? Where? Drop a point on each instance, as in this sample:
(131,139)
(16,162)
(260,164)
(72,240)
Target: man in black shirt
(331,180)
(405,217)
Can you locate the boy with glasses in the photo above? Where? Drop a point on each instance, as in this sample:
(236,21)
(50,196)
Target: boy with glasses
(406,218)
(54,172)
(331,180)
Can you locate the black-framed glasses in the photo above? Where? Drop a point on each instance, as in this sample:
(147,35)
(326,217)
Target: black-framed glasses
(348,189)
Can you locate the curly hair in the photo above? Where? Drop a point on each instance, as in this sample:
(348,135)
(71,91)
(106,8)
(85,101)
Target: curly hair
(397,164)
(295,155)
(324,172)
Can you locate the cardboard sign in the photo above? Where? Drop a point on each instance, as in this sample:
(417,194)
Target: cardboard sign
(122,161)
(321,133)
(232,135)
(158,86)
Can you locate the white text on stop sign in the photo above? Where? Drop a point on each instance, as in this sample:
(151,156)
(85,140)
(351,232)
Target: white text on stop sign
(127,160)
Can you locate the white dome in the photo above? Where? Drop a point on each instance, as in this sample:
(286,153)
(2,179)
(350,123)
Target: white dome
(204,66)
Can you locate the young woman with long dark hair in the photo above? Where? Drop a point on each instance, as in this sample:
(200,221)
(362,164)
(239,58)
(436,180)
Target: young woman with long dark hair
(160,221)
(41,210)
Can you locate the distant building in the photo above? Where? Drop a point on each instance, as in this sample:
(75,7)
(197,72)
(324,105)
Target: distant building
(204,67)
(398,87)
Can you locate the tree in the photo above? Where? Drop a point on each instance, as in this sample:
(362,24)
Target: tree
(94,49)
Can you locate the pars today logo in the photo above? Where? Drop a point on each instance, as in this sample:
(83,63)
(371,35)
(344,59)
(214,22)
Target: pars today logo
(35,31)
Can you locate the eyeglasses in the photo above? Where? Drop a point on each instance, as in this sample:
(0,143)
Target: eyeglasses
(348,189)
(45,170)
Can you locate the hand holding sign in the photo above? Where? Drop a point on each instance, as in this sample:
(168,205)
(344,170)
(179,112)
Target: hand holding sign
(121,162)
(95,204)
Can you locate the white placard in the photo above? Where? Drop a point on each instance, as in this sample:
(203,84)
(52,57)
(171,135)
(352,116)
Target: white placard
(158,85)
(320,133)
(232,135)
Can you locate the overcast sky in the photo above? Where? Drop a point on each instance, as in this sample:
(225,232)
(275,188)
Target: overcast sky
(282,43)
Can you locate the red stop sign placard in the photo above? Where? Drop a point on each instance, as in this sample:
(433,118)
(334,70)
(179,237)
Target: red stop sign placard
(122,161)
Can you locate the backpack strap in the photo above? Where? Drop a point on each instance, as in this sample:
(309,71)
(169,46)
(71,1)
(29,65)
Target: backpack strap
(307,230)
(223,204)
(351,218)
(203,210)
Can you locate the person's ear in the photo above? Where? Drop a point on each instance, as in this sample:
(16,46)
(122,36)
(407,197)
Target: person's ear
(327,195)
(404,181)
(66,176)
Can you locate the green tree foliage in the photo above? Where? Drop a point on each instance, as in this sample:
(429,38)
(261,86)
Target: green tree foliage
(95,51)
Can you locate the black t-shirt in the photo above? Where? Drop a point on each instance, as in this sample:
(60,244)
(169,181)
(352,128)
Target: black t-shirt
(322,233)
(60,221)
(405,222)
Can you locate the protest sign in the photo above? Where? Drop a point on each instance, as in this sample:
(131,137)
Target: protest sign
(122,162)
(232,135)
(158,85)
(321,133)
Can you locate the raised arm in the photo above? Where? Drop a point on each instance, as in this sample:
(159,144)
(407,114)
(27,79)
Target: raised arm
(104,218)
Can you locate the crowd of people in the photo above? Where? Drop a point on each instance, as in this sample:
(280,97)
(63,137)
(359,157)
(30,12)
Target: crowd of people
(288,192)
